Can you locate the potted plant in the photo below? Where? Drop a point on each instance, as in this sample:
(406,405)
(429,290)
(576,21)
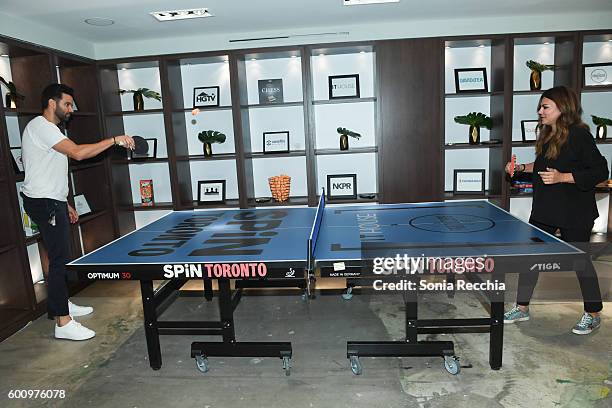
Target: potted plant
(475,120)
(344,134)
(208,137)
(535,78)
(602,126)
(139,95)
(12,96)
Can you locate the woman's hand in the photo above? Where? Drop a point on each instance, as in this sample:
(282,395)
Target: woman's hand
(552,176)
(509,169)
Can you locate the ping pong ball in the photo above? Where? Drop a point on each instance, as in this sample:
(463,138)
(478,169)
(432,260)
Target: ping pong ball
(195,111)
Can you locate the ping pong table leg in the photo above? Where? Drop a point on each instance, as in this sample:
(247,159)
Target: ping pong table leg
(208,290)
(496,340)
(150,323)
(226,311)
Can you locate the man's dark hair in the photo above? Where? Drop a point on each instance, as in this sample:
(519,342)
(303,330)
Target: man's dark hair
(54,91)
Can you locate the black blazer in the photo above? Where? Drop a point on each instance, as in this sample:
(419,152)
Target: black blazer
(567,205)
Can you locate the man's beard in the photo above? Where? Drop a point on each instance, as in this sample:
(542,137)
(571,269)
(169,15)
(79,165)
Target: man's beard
(62,116)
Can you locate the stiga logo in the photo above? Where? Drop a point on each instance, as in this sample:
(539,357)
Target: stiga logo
(553,266)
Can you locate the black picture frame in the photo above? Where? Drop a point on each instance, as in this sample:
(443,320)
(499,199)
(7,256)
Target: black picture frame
(270,91)
(17,162)
(151,153)
(482,74)
(337,95)
(81,205)
(330,190)
(269,137)
(202,95)
(526,126)
(219,197)
(595,75)
(457,190)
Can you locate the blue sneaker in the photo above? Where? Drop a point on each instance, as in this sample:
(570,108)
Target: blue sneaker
(587,324)
(516,315)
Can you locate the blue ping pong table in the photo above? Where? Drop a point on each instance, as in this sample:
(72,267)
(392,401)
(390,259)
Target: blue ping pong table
(279,244)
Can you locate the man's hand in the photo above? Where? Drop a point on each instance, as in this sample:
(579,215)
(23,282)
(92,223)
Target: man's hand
(125,141)
(553,176)
(72,214)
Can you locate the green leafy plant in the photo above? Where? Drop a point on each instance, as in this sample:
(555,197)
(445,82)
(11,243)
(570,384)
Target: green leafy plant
(146,92)
(597,121)
(536,66)
(345,131)
(12,89)
(475,119)
(211,136)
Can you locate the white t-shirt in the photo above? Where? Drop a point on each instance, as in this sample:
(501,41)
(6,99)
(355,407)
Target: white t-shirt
(46,170)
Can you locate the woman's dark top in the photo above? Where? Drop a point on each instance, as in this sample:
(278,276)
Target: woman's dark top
(563,204)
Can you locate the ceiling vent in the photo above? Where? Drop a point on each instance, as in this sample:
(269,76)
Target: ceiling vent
(361,2)
(181,14)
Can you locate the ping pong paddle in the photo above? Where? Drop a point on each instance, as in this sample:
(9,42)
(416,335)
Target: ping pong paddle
(140,145)
(512,165)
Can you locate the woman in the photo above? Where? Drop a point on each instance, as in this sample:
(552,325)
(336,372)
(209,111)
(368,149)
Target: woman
(568,165)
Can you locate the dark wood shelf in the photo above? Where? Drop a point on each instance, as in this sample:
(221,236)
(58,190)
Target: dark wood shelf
(459,146)
(140,161)
(299,200)
(92,216)
(522,144)
(448,195)
(33,239)
(528,92)
(261,155)
(343,100)
(604,141)
(516,193)
(603,88)
(132,112)
(204,108)
(358,200)
(27,111)
(233,203)
(83,113)
(201,157)
(352,150)
(467,94)
(154,207)
(272,105)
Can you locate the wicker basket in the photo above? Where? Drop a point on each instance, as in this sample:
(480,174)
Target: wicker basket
(280,187)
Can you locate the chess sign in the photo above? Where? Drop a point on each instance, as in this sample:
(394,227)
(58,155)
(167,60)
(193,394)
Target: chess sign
(341,186)
(211,192)
(270,91)
(205,97)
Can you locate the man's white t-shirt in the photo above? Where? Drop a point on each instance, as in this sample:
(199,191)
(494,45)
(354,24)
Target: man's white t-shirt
(46,170)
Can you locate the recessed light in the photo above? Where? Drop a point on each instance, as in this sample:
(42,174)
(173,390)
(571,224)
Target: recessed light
(172,15)
(360,2)
(253,59)
(294,56)
(99,22)
(362,52)
(546,42)
(4,55)
(124,69)
(481,46)
(321,55)
(447,47)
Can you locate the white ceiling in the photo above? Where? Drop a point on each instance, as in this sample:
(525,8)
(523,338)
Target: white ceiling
(237,19)
(132,19)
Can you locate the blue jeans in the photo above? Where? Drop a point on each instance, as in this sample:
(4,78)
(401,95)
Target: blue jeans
(57,241)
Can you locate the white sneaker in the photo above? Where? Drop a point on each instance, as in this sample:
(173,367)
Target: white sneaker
(73,331)
(76,310)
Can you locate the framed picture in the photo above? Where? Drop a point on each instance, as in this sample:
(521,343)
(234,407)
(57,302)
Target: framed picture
(270,91)
(597,74)
(343,86)
(529,130)
(471,80)
(206,96)
(150,154)
(469,181)
(81,205)
(341,186)
(17,163)
(211,192)
(276,142)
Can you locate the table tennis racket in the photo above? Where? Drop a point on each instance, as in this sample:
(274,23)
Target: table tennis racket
(140,145)
(512,165)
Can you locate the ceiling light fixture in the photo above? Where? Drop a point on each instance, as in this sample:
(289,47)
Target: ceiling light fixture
(361,2)
(546,42)
(481,46)
(4,55)
(99,21)
(172,15)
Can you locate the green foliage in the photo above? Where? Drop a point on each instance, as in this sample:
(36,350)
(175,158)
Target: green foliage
(597,121)
(12,89)
(536,66)
(146,92)
(211,136)
(475,119)
(345,131)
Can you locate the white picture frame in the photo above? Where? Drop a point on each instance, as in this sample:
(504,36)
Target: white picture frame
(341,186)
(81,205)
(597,74)
(276,142)
(469,181)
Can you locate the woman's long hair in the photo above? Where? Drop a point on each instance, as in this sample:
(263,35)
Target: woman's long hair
(571,115)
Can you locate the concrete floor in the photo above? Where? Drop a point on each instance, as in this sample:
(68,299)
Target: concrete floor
(544,364)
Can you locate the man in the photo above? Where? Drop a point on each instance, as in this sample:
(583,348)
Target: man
(45,153)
